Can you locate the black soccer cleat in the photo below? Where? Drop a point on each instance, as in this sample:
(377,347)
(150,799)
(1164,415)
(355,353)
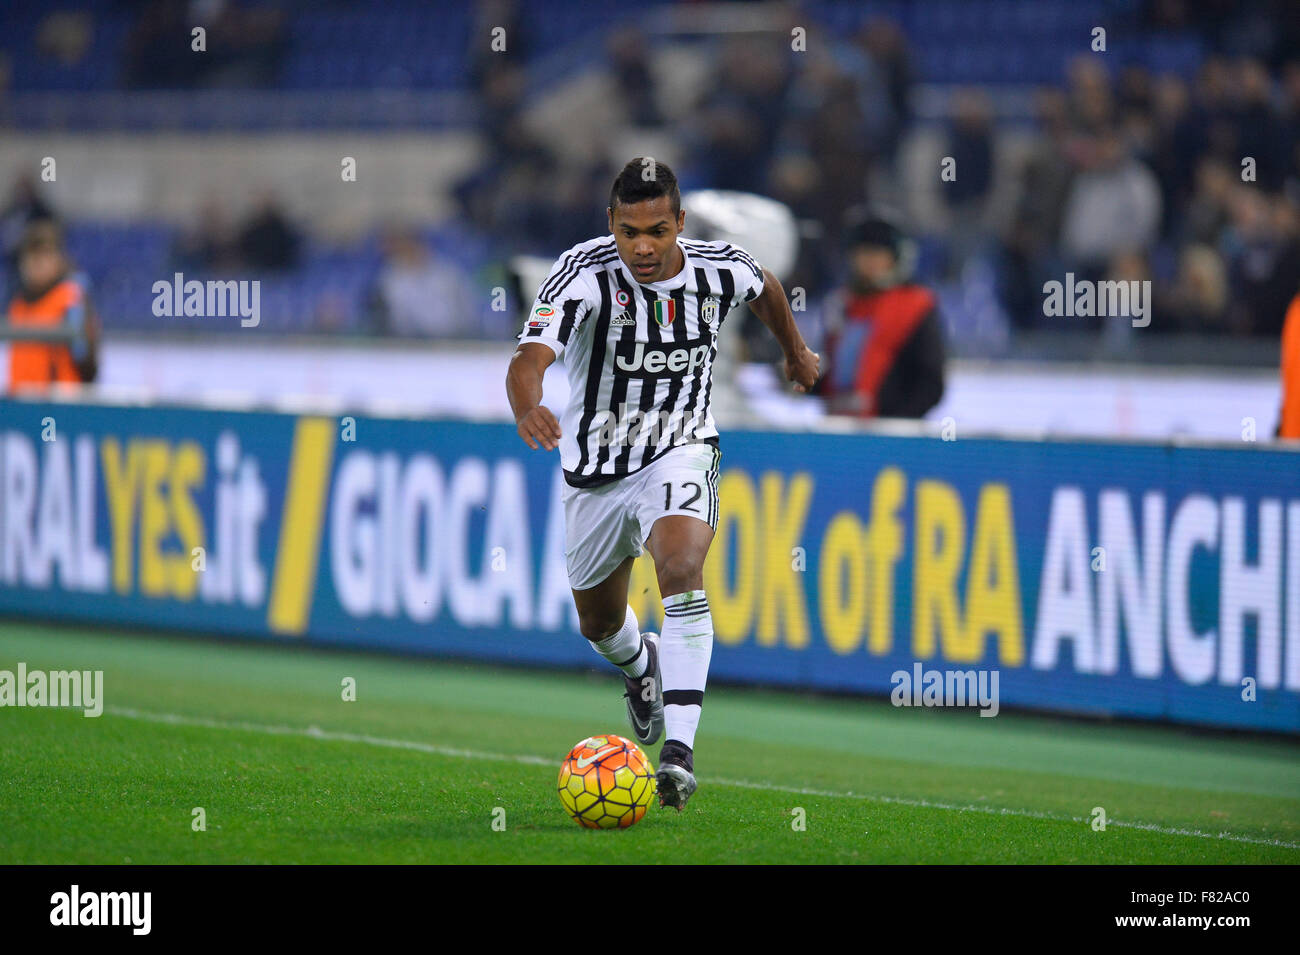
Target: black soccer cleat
(646,716)
(676,777)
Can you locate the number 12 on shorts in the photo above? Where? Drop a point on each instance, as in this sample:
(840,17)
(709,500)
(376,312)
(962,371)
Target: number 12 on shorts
(685,505)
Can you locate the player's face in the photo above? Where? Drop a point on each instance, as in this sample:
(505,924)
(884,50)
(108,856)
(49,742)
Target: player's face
(646,236)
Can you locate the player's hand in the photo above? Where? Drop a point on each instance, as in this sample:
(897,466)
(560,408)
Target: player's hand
(539,427)
(803,368)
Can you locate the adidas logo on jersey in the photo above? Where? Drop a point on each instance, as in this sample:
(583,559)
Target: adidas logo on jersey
(648,361)
(626,318)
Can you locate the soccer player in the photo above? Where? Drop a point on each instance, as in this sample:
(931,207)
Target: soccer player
(635,317)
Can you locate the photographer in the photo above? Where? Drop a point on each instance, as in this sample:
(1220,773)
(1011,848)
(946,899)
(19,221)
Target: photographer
(884,343)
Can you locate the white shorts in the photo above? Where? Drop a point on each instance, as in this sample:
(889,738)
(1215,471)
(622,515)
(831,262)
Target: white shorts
(605,525)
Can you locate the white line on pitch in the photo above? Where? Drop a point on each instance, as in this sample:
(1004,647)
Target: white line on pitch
(315,732)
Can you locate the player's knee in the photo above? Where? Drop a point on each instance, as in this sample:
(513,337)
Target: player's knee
(599,625)
(678,574)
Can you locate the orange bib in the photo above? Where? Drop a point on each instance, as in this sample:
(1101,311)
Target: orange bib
(38,363)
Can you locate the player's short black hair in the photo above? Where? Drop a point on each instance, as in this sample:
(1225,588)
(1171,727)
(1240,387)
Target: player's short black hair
(645,178)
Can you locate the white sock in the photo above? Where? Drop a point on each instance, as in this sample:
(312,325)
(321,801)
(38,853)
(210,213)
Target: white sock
(625,649)
(684,652)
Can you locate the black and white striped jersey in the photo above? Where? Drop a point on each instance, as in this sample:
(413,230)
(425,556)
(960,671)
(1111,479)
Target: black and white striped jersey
(639,357)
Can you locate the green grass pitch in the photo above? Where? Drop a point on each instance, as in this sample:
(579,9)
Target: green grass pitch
(417,768)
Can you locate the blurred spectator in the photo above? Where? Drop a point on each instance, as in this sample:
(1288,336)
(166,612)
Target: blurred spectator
(1113,206)
(576,204)
(1206,213)
(1047,173)
(1263,247)
(1175,147)
(1091,103)
(51,297)
(493,19)
(796,181)
(267,242)
(886,85)
(1029,247)
(826,154)
(158,53)
(417,294)
(508,193)
(25,205)
(1259,132)
(209,244)
(633,77)
(501,115)
(970,144)
(1216,128)
(244,46)
(883,349)
(65,36)
(1197,300)
(737,122)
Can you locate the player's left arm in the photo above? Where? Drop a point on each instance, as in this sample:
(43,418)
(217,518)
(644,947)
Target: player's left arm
(802,364)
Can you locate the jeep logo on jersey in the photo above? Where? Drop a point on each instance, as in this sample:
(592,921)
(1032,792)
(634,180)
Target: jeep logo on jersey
(650,361)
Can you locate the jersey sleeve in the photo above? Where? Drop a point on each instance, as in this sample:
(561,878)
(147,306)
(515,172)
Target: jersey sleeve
(748,273)
(562,304)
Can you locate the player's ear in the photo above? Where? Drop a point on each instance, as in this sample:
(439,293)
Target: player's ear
(609,213)
(681,219)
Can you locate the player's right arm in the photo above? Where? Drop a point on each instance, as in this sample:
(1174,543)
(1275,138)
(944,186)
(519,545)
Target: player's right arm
(535,423)
(562,303)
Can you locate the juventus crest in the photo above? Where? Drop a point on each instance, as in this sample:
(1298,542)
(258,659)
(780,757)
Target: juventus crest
(709,310)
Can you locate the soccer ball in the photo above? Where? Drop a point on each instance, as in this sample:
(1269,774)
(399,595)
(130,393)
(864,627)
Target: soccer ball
(606,782)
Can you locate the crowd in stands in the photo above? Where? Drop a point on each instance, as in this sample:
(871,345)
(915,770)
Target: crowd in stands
(1188,178)
(1193,185)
